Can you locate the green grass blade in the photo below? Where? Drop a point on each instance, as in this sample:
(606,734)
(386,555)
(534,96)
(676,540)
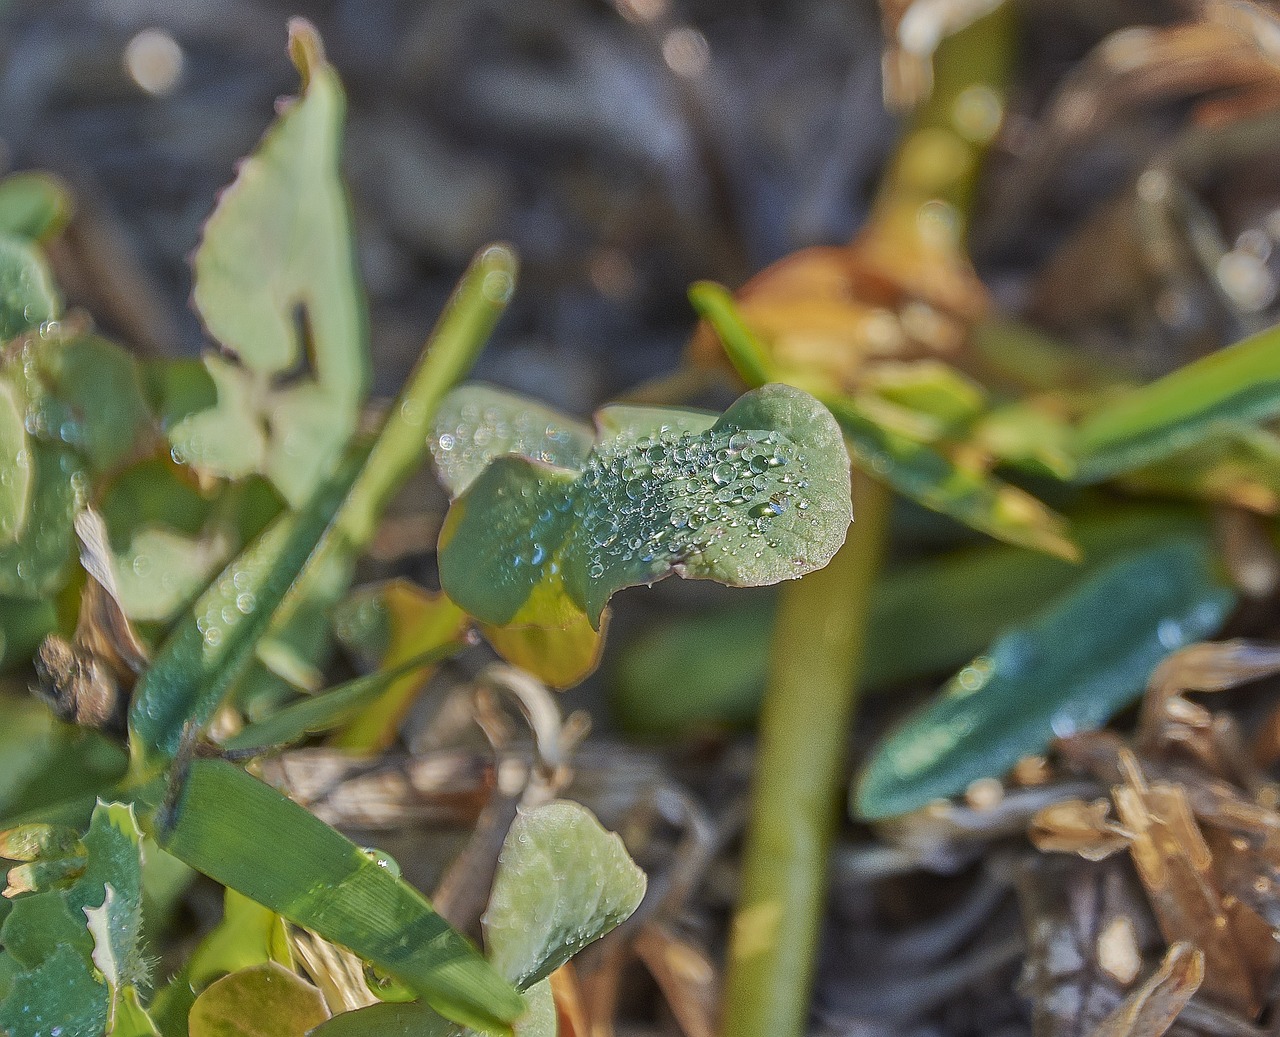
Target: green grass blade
(213,644)
(246,835)
(464,327)
(333,708)
(1230,388)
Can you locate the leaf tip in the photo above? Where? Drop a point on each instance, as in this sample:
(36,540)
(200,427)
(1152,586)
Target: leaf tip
(306,50)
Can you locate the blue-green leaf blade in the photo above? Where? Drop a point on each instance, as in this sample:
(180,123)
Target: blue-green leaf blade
(1087,656)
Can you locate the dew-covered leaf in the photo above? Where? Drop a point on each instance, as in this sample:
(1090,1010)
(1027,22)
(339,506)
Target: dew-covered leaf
(916,469)
(37,562)
(760,496)
(55,934)
(39,924)
(110,895)
(562,882)
(478,423)
(276,285)
(90,396)
(229,826)
(27,295)
(33,205)
(260,1001)
(1087,656)
(15,467)
(59,992)
(1224,391)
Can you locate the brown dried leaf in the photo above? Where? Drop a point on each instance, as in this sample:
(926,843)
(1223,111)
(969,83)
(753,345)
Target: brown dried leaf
(1176,868)
(685,975)
(1151,1009)
(1075,826)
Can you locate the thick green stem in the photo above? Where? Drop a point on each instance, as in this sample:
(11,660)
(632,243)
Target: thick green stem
(804,728)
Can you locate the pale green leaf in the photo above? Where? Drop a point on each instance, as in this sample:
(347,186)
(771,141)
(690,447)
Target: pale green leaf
(276,285)
(562,882)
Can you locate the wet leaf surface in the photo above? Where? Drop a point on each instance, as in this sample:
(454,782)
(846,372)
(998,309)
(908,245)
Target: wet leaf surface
(562,882)
(759,497)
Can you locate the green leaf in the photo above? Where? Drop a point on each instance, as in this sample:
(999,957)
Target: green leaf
(915,469)
(40,924)
(260,1001)
(562,882)
(130,1019)
(90,397)
(60,992)
(54,933)
(48,763)
(110,895)
(928,616)
(16,474)
(1241,469)
(1224,391)
(1086,657)
(761,496)
(276,285)
(229,826)
(33,205)
(27,296)
(23,625)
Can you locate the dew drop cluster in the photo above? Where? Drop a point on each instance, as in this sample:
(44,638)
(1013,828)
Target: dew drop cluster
(471,432)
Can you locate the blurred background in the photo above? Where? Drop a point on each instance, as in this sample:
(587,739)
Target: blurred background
(626,149)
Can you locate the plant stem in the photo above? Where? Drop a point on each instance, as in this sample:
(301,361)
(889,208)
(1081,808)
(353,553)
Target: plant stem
(804,728)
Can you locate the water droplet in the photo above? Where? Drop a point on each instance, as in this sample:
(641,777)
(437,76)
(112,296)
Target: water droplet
(723,473)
